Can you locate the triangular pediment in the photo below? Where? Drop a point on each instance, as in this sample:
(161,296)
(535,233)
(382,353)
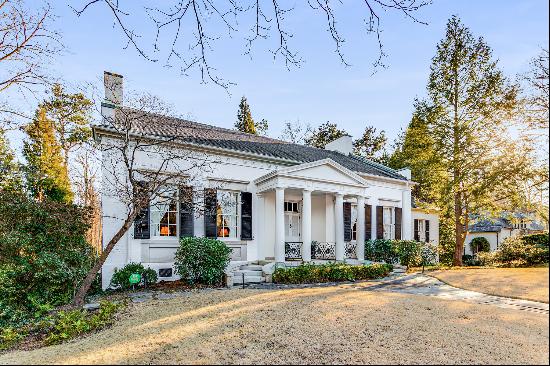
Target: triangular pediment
(324,170)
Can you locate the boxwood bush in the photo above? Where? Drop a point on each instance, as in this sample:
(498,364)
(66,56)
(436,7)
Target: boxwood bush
(121,277)
(202,260)
(330,272)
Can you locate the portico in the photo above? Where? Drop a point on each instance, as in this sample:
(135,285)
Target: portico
(320,198)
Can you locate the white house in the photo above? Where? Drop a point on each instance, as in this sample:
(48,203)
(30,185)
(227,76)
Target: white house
(267,199)
(497,229)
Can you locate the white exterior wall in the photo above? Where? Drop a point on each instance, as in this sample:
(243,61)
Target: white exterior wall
(237,173)
(495,239)
(418,214)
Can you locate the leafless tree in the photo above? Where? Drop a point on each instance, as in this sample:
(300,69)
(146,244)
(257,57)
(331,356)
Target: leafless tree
(183,29)
(296,132)
(27,43)
(138,167)
(85,180)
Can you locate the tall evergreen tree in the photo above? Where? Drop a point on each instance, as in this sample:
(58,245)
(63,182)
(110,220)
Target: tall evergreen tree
(46,172)
(70,114)
(10,172)
(469,102)
(245,123)
(325,133)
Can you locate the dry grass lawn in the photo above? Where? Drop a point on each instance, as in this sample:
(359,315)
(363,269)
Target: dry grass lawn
(329,325)
(522,283)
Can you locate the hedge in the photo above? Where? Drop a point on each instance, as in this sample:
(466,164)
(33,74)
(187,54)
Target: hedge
(331,272)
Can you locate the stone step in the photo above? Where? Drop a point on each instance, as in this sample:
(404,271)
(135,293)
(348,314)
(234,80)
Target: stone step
(251,267)
(246,272)
(238,280)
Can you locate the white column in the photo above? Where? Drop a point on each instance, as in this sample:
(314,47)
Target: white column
(260,227)
(406,225)
(373,220)
(339,226)
(360,250)
(279,224)
(306,225)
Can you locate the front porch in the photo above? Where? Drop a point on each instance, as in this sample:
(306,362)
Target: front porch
(313,212)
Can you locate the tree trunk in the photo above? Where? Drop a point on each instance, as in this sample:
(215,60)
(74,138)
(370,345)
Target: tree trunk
(459,237)
(92,273)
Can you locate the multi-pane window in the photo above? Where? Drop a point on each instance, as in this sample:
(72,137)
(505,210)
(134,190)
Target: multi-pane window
(227,214)
(291,207)
(389,223)
(164,213)
(353,222)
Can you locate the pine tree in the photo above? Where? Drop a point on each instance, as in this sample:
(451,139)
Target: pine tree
(470,101)
(46,172)
(70,114)
(245,123)
(10,172)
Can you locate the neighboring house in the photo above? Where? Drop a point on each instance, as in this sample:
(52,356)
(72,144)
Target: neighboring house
(267,199)
(496,230)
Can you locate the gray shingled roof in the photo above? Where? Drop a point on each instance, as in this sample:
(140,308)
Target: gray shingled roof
(490,226)
(155,125)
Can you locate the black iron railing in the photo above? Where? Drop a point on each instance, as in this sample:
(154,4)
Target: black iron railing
(350,249)
(293,250)
(323,251)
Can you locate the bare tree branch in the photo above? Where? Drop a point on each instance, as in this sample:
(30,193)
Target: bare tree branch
(183,34)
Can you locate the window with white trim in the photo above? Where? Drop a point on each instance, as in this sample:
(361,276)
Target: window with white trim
(227,214)
(164,213)
(389,223)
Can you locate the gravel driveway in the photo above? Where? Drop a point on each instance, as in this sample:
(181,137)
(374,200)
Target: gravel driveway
(328,325)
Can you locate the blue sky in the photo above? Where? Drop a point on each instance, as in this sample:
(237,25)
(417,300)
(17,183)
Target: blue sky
(322,89)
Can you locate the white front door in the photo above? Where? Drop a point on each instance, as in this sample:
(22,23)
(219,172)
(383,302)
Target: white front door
(293,222)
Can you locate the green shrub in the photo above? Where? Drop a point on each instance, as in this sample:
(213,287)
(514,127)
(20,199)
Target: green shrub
(480,245)
(330,272)
(409,252)
(202,260)
(483,259)
(406,252)
(43,255)
(381,250)
(536,239)
(70,324)
(9,337)
(121,277)
(516,252)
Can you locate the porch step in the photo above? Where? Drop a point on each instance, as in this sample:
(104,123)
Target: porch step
(238,280)
(252,267)
(247,272)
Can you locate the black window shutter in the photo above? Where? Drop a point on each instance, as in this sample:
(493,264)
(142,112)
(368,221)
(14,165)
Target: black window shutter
(347,222)
(210,211)
(416,233)
(368,222)
(187,227)
(427,230)
(141,224)
(379,222)
(246,216)
(398,222)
